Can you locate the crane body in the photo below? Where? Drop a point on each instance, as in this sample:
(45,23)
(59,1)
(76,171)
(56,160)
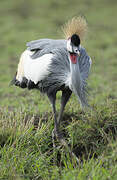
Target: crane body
(56,65)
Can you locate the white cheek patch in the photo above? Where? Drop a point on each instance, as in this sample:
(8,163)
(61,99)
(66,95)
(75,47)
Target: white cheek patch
(69,47)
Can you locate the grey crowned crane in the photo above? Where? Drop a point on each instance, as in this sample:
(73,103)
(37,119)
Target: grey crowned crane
(57,65)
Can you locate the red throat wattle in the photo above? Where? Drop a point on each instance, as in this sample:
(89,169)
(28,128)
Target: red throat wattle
(73,58)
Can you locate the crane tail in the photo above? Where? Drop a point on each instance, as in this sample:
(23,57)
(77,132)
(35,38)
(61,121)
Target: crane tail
(19,79)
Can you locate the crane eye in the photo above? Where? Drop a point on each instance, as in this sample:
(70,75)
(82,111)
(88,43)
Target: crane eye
(77,51)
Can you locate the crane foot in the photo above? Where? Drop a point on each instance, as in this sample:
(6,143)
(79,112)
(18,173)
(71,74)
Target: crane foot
(57,135)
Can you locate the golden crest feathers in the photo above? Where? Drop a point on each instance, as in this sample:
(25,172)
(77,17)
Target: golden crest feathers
(77,25)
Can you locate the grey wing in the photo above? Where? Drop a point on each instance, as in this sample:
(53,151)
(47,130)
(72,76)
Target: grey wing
(45,46)
(38,44)
(84,66)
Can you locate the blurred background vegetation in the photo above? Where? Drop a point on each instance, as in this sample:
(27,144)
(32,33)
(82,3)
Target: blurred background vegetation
(22,21)
(26,20)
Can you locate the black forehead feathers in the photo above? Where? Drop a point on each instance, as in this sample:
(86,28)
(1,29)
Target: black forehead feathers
(75,40)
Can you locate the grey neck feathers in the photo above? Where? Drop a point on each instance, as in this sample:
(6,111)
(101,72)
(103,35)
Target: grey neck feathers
(75,78)
(76,83)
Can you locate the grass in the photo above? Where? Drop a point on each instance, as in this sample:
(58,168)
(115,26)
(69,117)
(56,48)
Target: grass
(26,121)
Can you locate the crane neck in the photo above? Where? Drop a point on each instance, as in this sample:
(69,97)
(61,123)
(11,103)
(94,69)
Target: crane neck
(74,64)
(75,75)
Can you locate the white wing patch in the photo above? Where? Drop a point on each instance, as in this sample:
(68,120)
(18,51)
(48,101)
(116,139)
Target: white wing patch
(33,69)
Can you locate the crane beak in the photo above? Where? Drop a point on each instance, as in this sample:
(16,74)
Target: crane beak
(78,53)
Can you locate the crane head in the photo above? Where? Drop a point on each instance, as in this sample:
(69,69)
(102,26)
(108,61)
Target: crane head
(73,47)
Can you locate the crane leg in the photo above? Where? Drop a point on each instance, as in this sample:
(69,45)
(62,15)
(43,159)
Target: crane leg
(52,98)
(64,99)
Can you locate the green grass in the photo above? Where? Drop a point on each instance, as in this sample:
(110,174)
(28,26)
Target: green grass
(26,121)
